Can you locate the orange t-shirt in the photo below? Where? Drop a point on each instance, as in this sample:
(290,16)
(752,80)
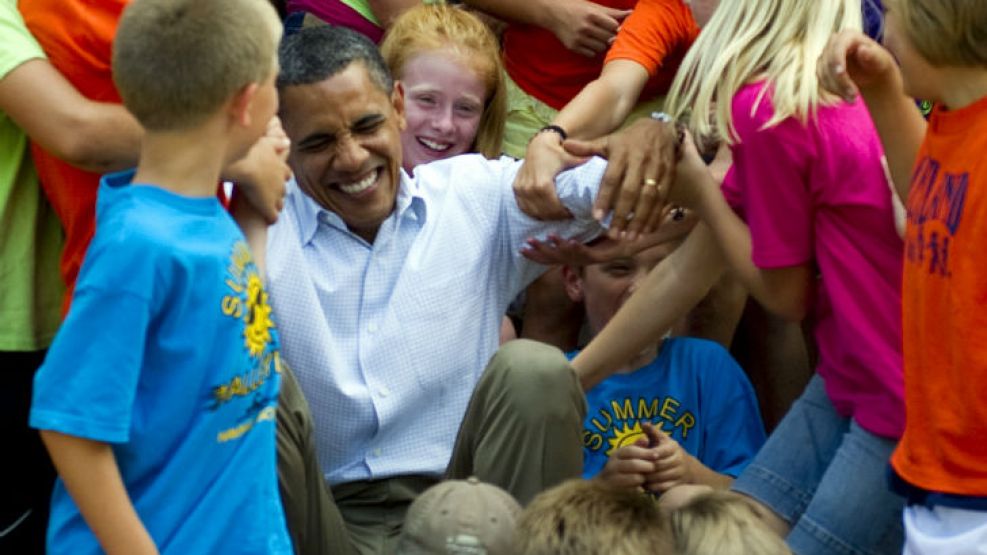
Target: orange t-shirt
(544,68)
(657,35)
(944,302)
(77,36)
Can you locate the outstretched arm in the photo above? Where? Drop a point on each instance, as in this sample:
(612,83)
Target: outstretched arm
(598,109)
(784,291)
(92,477)
(605,102)
(94,136)
(664,296)
(260,176)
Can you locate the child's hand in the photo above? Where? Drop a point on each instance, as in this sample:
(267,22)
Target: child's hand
(534,186)
(672,465)
(629,465)
(676,223)
(691,176)
(853,63)
(261,174)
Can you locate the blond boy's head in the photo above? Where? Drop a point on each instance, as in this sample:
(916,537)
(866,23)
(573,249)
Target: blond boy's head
(723,523)
(176,62)
(944,32)
(587,517)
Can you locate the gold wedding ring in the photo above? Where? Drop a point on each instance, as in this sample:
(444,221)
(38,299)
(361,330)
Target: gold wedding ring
(649,182)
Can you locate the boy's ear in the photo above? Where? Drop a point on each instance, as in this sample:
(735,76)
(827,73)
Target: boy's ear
(397,102)
(573,283)
(240,104)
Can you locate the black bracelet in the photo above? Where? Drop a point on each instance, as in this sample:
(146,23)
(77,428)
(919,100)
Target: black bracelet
(554,129)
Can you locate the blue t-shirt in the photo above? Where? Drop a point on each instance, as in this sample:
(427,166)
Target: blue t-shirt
(694,391)
(169,354)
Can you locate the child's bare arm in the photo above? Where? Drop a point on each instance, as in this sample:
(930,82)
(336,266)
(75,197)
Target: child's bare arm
(254,228)
(785,291)
(664,296)
(261,176)
(262,172)
(92,478)
(853,64)
(597,110)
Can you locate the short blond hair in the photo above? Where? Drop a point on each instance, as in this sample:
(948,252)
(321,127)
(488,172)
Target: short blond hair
(175,62)
(945,32)
(777,40)
(588,517)
(722,523)
(439,27)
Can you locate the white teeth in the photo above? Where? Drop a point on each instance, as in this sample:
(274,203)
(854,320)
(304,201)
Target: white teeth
(359,186)
(434,145)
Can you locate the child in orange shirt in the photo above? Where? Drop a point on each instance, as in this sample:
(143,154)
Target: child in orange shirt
(941,462)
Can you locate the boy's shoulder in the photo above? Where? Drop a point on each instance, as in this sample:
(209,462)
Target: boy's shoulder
(143,232)
(128,213)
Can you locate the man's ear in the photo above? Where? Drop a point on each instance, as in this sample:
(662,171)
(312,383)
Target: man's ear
(397,101)
(573,283)
(240,104)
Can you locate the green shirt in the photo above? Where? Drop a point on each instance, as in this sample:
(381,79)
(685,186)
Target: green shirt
(30,234)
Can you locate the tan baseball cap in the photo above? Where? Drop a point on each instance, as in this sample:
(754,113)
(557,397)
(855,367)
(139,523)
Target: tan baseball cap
(461,517)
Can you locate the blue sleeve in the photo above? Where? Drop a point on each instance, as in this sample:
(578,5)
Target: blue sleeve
(734,430)
(87,384)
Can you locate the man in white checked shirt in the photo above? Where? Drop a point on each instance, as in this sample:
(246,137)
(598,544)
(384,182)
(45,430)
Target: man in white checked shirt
(389,291)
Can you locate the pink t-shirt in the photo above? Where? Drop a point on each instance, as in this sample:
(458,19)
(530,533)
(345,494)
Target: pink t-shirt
(818,194)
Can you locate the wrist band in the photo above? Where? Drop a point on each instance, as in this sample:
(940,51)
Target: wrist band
(554,129)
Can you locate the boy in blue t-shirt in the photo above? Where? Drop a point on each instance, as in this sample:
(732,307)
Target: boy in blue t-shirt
(682,412)
(157,400)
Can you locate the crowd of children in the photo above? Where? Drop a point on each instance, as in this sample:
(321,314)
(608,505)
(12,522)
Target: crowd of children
(300,339)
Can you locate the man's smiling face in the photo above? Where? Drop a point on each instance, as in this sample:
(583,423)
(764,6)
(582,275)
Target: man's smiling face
(346,145)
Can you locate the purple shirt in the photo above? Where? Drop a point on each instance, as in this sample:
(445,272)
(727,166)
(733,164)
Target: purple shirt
(819,194)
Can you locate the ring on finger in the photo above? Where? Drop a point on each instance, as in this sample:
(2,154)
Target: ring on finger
(650,182)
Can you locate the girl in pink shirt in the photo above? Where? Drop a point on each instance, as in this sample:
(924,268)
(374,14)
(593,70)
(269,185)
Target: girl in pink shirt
(805,220)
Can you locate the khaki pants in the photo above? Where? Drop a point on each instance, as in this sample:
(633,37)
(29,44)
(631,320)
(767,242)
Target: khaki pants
(522,432)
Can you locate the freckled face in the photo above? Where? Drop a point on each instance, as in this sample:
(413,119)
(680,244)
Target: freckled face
(444,100)
(346,146)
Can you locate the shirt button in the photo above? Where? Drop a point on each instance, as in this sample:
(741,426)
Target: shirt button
(376,452)
(383,392)
(372,327)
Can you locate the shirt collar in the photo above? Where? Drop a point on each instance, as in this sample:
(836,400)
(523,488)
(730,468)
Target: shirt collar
(310,213)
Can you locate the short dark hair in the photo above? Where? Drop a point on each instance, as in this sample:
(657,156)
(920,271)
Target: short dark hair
(315,54)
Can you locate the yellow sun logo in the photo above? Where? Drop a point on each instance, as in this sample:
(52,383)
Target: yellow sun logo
(625,436)
(628,435)
(257,333)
